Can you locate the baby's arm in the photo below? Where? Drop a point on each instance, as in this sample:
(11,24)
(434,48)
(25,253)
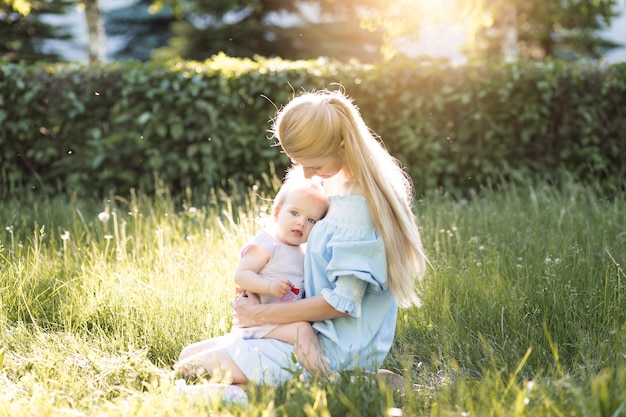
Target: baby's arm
(247,274)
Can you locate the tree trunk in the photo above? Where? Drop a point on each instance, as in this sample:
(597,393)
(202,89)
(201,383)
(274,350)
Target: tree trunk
(95,32)
(510,49)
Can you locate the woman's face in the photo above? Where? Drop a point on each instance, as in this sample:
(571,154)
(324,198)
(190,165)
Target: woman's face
(321,167)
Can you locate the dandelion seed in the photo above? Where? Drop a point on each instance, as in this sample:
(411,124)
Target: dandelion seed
(557,261)
(192,210)
(454,228)
(442,230)
(65,235)
(518,266)
(104,216)
(547,260)
(481,248)
(526,400)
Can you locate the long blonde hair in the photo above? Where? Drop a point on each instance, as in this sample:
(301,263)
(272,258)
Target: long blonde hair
(314,125)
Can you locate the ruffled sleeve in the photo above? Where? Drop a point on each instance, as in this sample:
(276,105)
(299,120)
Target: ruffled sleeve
(347,295)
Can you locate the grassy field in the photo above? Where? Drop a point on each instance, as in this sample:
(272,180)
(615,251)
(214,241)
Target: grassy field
(524,310)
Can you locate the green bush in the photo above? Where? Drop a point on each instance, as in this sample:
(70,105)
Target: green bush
(113,127)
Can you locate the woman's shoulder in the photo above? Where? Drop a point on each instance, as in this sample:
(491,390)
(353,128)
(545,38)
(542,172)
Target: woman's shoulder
(349,211)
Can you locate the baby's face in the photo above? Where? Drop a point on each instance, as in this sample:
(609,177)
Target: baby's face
(297,216)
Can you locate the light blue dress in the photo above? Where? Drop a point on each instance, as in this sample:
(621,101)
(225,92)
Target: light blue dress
(343,246)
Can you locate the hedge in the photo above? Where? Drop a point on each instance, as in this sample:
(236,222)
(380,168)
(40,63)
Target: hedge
(93,130)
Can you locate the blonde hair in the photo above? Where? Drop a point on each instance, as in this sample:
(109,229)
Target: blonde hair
(296,182)
(314,125)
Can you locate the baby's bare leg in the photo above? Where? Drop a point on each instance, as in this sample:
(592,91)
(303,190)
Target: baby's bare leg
(214,362)
(306,344)
(198,347)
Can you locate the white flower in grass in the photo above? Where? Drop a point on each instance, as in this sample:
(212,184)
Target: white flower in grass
(108,237)
(192,210)
(104,216)
(65,235)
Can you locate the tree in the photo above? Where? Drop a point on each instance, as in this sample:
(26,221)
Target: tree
(536,29)
(497,29)
(143,30)
(287,28)
(505,29)
(95,31)
(22,31)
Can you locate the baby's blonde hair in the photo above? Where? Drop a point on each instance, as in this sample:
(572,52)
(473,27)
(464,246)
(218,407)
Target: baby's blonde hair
(296,182)
(314,125)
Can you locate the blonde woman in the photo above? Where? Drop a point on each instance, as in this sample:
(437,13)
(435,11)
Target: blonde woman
(362,260)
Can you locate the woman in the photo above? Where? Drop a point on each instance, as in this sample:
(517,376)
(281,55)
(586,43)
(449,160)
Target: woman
(362,260)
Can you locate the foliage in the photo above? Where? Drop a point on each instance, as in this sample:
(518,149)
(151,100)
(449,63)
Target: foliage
(535,29)
(22,31)
(142,30)
(556,29)
(465,127)
(523,311)
(285,28)
(112,127)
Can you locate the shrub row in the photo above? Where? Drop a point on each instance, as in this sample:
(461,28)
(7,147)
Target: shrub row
(113,127)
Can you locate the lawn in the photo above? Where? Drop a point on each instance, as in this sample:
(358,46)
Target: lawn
(524,308)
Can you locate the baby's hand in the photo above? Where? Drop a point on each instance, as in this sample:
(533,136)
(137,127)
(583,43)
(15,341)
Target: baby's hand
(280,287)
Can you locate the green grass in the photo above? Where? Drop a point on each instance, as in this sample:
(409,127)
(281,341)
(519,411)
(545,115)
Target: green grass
(524,310)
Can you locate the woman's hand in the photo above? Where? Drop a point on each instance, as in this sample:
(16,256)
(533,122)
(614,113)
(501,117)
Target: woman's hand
(249,312)
(243,309)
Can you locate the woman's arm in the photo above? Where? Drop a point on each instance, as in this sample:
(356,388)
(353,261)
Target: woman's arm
(247,311)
